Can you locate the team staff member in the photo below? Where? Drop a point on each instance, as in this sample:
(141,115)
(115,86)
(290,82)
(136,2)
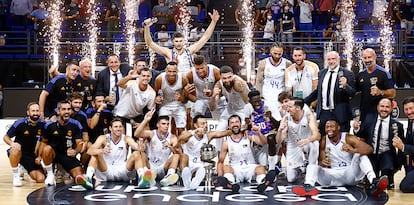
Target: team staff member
(27,132)
(61,143)
(374,83)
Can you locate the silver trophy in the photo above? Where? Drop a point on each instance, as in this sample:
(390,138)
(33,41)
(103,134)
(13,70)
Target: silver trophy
(394,129)
(357,115)
(207,152)
(340,75)
(373,81)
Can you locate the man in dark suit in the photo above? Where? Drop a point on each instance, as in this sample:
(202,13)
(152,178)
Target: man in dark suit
(334,93)
(108,79)
(378,130)
(406,146)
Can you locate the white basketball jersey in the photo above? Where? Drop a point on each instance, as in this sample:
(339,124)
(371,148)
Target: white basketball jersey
(206,83)
(240,153)
(119,152)
(193,146)
(273,79)
(298,131)
(158,154)
(168,91)
(336,155)
(184,61)
(234,99)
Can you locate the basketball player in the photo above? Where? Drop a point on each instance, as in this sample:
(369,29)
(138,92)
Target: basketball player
(160,145)
(171,95)
(242,166)
(342,162)
(191,142)
(299,130)
(270,78)
(109,159)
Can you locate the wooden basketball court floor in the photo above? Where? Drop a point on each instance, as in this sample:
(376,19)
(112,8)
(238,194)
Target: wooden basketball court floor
(18,195)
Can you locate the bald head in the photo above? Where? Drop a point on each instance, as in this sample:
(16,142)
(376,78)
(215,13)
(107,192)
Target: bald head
(370,58)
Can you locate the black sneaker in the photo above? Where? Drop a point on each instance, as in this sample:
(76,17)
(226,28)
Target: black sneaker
(378,186)
(224,182)
(305,190)
(268,180)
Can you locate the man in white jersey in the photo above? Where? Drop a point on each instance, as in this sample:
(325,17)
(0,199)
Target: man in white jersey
(270,78)
(160,145)
(300,132)
(343,161)
(302,76)
(242,166)
(191,142)
(172,97)
(137,96)
(180,54)
(202,79)
(235,90)
(109,161)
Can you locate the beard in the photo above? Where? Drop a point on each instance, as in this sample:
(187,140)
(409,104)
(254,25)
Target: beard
(235,130)
(34,118)
(228,86)
(276,60)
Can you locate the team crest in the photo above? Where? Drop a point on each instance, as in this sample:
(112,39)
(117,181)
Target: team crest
(55,132)
(39,132)
(26,132)
(69,133)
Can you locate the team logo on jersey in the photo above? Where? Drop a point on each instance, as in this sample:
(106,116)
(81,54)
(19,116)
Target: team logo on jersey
(79,84)
(63,88)
(69,133)
(26,132)
(39,132)
(55,132)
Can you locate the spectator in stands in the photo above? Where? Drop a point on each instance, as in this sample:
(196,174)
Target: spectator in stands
(395,12)
(71,17)
(406,16)
(163,37)
(325,9)
(163,13)
(39,17)
(196,33)
(112,17)
(275,9)
(269,28)
(305,18)
(20,10)
(144,12)
(287,27)
(3,14)
(328,33)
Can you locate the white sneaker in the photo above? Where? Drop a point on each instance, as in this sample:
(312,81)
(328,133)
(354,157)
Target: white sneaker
(169,179)
(22,170)
(17,181)
(186,176)
(50,180)
(198,178)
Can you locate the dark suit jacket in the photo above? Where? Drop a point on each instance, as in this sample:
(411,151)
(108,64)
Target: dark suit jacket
(367,130)
(103,81)
(342,97)
(408,152)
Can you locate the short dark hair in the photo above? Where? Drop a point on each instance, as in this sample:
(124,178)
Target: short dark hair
(331,118)
(163,117)
(199,59)
(172,63)
(100,93)
(233,116)
(116,119)
(195,119)
(178,35)
(144,69)
(141,59)
(30,105)
(276,45)
(75,95)
(299,48)
(284,95)
(226,69)
(298,102)
(59,104)
(409,99)
(253,93)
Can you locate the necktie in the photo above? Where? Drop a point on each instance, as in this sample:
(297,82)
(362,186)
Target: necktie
(410,131)
(378,137)
(328,90)
(116,89)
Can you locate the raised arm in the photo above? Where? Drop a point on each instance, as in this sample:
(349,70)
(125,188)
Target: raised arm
(140,132)
(132,74)
(215,16)
(166,52)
